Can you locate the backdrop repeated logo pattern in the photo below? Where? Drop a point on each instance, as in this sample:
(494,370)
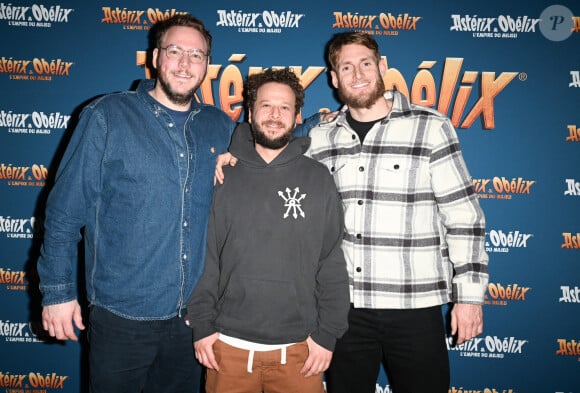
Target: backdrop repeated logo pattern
(506,74)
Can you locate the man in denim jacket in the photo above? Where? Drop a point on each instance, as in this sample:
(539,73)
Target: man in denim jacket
(137,179)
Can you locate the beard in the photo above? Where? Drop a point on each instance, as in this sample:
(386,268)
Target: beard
(360,102)
(262,139)
(176,98)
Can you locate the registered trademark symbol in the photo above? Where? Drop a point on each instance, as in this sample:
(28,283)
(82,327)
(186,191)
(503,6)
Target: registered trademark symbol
(523,76)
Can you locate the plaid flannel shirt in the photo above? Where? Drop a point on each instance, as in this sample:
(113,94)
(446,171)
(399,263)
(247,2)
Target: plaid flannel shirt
(415,233)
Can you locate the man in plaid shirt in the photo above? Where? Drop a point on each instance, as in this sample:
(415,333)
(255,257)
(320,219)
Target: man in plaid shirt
(415,233)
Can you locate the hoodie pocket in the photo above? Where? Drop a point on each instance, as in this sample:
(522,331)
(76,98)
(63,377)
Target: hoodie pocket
(260,309)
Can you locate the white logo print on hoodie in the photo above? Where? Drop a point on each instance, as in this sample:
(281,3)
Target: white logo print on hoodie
(292,202)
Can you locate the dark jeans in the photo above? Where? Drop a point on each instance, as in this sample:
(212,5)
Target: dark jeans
(410,344)
(128,356)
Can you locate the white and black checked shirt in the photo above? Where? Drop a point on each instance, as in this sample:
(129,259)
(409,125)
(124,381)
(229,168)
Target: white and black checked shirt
(415,233)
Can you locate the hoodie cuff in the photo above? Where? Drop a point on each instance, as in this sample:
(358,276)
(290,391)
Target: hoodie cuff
(200,329)
(324,339)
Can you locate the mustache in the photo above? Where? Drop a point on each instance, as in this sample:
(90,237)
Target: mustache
(273,123)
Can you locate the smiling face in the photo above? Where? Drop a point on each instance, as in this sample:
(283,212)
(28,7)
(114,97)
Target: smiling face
(273,115)
(178,79)
(358,76)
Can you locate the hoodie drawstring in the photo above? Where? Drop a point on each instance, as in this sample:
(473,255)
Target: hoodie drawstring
(251,358)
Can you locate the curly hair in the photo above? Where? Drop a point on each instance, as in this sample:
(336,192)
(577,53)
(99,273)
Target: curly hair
(284,76)
(159,30)
(352,37)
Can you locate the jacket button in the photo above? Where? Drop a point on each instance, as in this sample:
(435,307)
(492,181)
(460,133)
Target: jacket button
(358,270)
(396,166)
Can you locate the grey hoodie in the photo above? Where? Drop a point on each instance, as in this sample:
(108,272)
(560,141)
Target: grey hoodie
(274,272)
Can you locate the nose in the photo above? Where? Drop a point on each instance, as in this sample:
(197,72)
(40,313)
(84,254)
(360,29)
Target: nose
(275,112)
(184,59)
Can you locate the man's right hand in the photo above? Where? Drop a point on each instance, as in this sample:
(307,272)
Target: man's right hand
(204,351)
(223,160)
(57,320)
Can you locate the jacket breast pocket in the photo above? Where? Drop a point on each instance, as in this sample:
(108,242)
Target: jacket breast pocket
(401,172)
(340,170)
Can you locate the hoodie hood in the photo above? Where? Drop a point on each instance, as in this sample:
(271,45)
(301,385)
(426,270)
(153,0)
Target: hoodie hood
(242,147)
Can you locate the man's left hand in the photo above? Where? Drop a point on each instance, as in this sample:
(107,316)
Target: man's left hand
(318,359)
(466,321)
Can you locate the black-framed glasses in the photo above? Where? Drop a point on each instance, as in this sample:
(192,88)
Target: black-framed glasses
(175,52)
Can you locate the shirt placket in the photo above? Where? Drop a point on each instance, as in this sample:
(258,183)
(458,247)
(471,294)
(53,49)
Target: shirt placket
(359,264)
(184,156)
(186,202)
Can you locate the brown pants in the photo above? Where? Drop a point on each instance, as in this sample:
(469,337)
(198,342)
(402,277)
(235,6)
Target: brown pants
(268,374)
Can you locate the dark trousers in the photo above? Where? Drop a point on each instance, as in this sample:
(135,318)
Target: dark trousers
(128,356)
(409,343)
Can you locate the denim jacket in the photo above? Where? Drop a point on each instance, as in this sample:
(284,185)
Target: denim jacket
(141,190)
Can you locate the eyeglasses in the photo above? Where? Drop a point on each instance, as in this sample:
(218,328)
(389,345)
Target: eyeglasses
(175,52)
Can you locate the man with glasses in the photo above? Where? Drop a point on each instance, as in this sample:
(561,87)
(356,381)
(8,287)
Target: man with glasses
(137,179)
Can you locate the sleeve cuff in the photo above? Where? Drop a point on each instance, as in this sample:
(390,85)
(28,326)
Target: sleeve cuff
(324,339)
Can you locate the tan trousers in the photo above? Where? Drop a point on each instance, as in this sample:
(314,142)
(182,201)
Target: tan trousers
(268,374)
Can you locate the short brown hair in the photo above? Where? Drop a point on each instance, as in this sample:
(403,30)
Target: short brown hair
(284,76)
(353,37)
(186,20)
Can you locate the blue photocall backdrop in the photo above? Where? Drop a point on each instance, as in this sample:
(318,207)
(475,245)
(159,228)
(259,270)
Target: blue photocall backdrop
(506,73)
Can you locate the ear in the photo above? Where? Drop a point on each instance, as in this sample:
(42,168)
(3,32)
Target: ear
(334,79)
(383,66)
(155,56)
(296,118)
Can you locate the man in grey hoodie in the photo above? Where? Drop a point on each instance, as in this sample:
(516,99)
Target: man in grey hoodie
(273,298)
